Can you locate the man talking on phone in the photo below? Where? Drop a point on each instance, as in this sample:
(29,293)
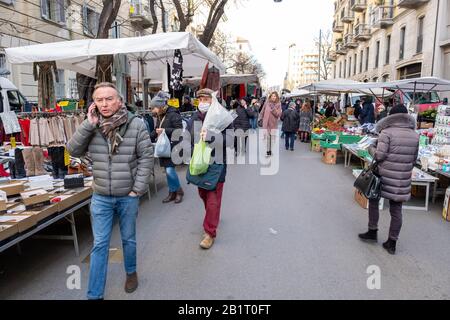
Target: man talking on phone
(122,155)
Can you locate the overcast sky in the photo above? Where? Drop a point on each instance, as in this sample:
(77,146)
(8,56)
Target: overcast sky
(268,25)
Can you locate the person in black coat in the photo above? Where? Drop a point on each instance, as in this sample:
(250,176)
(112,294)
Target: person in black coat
(244,114)
(367,113)
(187,105)
(291,124)
(169,120)
(330,111)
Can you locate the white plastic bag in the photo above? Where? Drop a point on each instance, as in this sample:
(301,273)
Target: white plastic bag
(162,147)
(218,118)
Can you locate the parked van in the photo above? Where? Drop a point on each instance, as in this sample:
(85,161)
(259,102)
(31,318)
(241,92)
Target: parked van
(11,99)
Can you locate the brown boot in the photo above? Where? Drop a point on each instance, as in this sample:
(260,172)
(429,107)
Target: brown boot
(29,161)
(38,155)
(171,197)
(207,242)
(132,283)
(179,196)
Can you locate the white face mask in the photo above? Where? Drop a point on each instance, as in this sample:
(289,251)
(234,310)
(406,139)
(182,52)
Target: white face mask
(203,107)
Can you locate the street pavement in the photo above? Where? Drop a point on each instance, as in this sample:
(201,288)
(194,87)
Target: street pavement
(290,236)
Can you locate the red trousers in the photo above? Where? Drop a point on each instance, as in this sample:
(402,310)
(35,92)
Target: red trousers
(213,202)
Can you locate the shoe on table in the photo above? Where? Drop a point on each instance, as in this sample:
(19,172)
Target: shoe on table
(207,242)
(131,283)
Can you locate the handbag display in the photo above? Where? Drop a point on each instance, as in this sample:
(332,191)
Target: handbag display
(369,182)
(208,180)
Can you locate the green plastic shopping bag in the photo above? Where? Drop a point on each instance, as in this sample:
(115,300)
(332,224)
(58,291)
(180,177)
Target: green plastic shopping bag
(200,159)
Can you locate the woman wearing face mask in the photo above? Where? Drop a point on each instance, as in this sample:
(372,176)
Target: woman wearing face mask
(270,114)
(211,199)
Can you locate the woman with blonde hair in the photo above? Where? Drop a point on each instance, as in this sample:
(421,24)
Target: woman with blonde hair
(269,116)
(306,118)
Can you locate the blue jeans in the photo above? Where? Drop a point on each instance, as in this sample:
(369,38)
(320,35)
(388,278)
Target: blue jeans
(172,179)
(254,123)
(289,140)
(103,211)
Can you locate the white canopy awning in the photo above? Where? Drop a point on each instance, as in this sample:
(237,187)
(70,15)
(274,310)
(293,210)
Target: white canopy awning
(227,79)
(424,84)
(155,50)
(297,93)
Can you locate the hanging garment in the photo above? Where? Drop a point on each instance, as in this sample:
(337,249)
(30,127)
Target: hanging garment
(35,137)
(46,89)
(68,129)
(47,137)
(10,122)
(213,80)
(25,135)
(176,80)
(60,122)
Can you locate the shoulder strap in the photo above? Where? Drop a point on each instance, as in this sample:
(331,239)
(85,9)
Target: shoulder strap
(162,121)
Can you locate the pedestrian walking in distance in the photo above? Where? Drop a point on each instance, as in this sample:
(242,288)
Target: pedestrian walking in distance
(396,154)
(169,120)
(244,115)
(270,114)
(122,156)
(291,123)
(212,200)
(306,119)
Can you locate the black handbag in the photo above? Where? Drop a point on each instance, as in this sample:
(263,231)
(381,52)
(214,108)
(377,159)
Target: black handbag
(209,180)
(369,182)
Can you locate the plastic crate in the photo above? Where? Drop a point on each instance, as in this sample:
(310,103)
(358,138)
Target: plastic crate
(349,139)
(328,145)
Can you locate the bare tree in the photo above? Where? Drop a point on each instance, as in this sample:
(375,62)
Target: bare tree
(215,14)
(154,16)
(107,17)
(324,46)
(244,63)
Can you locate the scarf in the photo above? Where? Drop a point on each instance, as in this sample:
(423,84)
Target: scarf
(109,127)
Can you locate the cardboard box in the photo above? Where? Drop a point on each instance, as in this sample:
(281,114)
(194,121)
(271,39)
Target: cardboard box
(3,206)
(13,187)
(22,221)
(72,197)
(35,198)
(329,156)
(361,199)
(43,212)
(315,146)
(426,125)
(8,230)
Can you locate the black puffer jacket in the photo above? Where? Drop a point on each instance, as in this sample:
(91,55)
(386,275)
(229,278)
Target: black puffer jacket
(172,122)
(291,121)
(243,119)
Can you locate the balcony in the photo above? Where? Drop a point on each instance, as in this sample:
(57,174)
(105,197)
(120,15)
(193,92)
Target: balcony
(332,56)
(358,5)
(348,16)
(382,17)
(362,32)
(338,28)
(411,4)
(340,49)
(140,14)
(349,41)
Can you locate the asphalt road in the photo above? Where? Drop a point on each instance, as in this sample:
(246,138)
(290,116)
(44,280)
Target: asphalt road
(292,235)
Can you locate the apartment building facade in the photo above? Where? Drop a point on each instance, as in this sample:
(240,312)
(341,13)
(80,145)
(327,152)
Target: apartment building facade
(303,68)
(384,40)
(27,22)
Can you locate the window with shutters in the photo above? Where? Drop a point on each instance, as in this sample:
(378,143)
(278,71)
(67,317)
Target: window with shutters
(402,43)
(420,35)
(54,10)
(90,21)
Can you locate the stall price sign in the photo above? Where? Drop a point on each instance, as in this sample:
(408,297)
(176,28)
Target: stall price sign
(66,158)
(12,140)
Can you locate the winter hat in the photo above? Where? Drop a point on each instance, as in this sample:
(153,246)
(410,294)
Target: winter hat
(292,105)
(160,100)
(400,108)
